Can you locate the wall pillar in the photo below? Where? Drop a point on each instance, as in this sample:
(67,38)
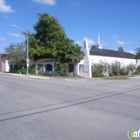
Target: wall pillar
(53,69)
(44,68)
(76,68)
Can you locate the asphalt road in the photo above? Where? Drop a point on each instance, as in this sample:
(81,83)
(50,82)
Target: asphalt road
(68,109)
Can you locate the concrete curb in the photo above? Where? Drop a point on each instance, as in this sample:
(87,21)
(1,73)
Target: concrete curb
(20,75)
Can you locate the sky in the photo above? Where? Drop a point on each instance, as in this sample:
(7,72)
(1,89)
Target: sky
(118,21)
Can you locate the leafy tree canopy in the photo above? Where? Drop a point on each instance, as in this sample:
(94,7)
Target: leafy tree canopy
(16,53)
(47,37)
(137,56)
(120,49)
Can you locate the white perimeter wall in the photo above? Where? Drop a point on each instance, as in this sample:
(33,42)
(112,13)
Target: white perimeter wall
(123,61)
(95,59)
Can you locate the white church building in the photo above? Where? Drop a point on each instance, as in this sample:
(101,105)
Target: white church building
(93,55)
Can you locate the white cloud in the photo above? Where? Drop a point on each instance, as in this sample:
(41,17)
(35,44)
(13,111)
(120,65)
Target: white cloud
(115,36)
(79,42)
(131,52)
(120,43)
(3,39)
(48,2)
(90,42)
(129,43)
(5,8)
(135,42)
(7,17)
(74,2)
(15,35)
(104,44)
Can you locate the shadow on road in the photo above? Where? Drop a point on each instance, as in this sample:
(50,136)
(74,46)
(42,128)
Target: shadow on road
(66,106)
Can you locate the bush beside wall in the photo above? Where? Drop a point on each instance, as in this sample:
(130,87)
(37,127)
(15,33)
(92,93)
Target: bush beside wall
(22,71)
(99,69)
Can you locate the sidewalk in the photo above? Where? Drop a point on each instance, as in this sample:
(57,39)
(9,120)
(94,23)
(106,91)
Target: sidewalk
(135,77)
(23,75)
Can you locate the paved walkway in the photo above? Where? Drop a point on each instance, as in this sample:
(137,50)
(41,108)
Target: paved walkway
(23,75)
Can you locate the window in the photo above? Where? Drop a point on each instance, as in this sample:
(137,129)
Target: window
(48,67)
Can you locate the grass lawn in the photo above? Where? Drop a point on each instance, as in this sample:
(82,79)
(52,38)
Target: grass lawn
(117,78)
(38,75)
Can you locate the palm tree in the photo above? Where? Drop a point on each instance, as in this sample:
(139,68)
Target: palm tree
(137,55)
(77,53)
(120,49)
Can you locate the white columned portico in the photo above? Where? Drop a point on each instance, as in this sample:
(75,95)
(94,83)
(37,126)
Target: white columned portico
(44,69)
(53,68)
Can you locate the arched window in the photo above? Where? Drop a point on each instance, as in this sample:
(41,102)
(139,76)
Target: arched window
(48,67)
(11,66)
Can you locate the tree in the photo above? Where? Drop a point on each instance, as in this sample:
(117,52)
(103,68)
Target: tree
(16,54)
(67,52)
(137,55)
(47,37)
(120,49)
(50,41)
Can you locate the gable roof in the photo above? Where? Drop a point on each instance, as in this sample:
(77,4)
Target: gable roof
(44,60)
(111,53)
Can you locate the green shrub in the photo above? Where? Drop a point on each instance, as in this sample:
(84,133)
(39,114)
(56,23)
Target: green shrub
(131,67)
(138,69)
(61,73)
(123,72)
(114,69)
(99,68)
(75,74)
(70,74)
(97,75)
(32,70)
(22,71)
(40,73)
(13,70)
(18,71)
(136,72)
(111,74)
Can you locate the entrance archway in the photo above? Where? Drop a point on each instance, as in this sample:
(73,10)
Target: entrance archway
(48,67)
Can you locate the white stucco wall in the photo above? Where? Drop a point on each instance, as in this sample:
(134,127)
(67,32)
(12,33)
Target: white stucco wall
(5,65)
(123,61)
(95,59)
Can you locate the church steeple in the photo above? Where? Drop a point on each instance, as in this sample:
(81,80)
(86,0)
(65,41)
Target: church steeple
(99,44)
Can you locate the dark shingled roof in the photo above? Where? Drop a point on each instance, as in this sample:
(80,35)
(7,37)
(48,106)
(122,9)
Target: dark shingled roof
(111,53)
(44,60)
